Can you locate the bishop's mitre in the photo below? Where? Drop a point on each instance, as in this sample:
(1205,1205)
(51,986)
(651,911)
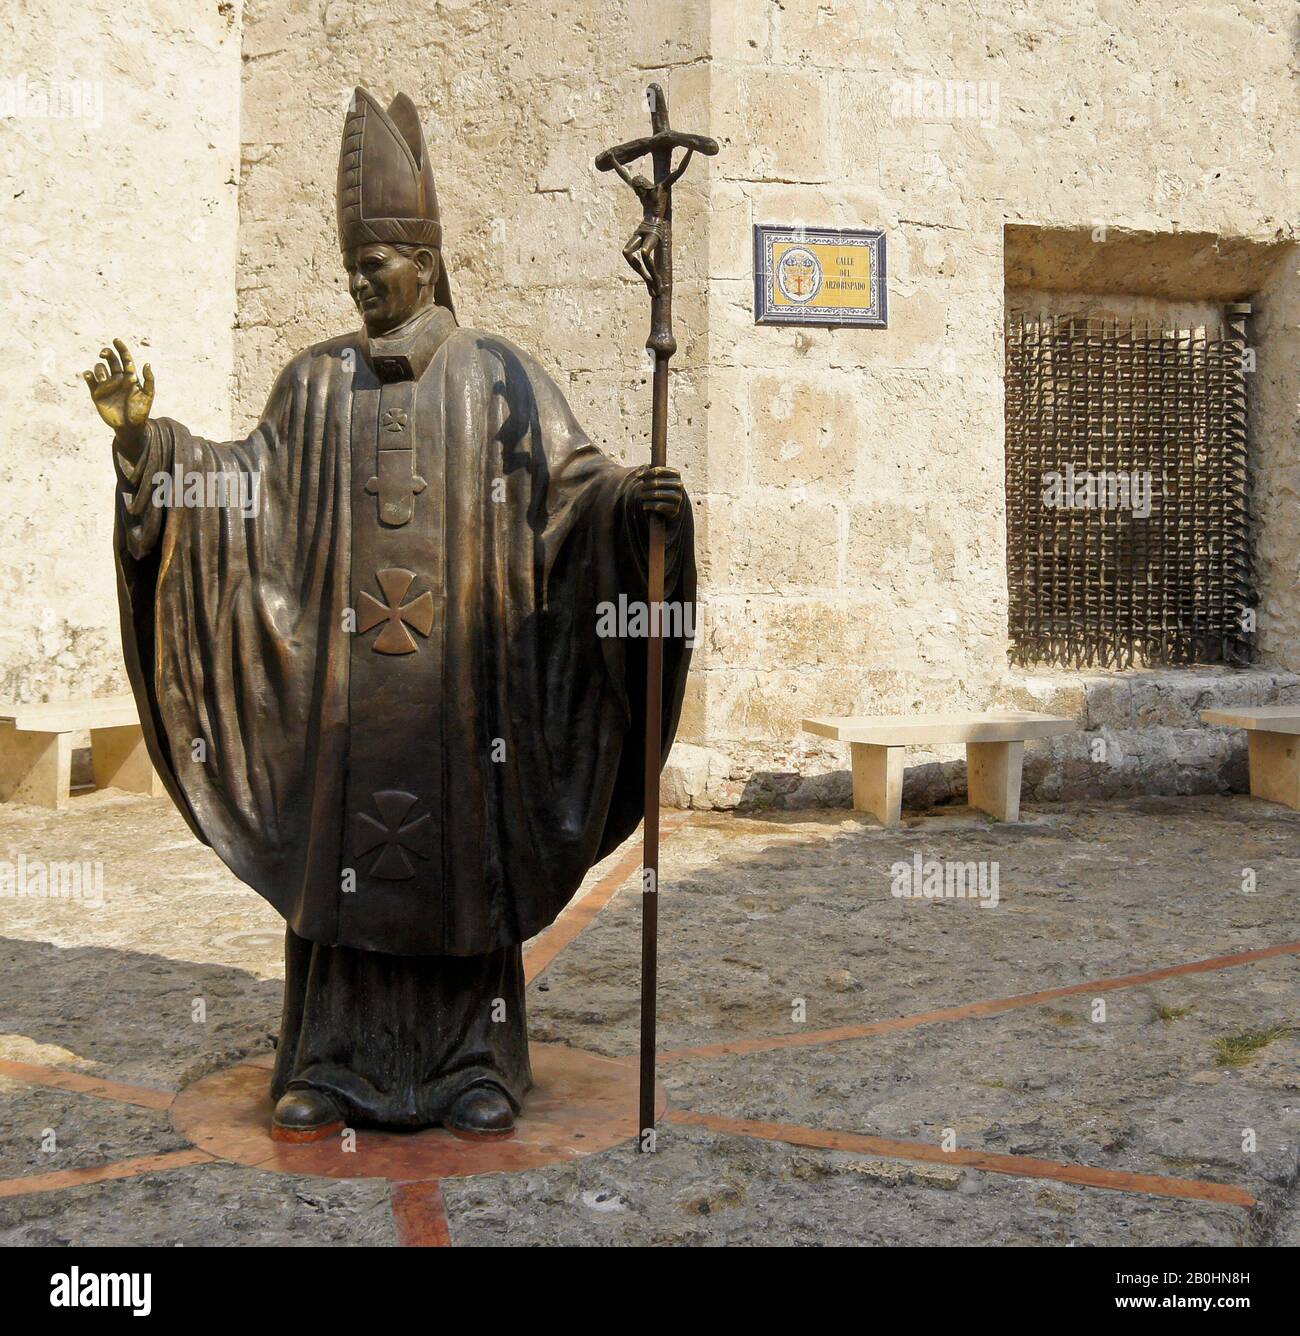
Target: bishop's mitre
(385,184)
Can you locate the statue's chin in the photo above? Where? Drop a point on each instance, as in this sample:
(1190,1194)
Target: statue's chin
(376,322)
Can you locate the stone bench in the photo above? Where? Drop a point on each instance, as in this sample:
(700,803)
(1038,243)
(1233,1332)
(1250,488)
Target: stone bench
(995,753)
(1272,745)
(36,749)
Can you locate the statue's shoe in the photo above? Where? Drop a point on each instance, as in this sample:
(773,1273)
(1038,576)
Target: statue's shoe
(481,1113)
(306,1114)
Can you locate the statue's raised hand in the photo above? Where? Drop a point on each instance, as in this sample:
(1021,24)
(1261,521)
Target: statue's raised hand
(123,402)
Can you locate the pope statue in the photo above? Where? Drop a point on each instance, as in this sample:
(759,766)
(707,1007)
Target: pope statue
(380,693)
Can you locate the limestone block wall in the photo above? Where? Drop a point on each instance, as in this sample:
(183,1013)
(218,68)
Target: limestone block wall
(1138,732)
(854,526)
(516,101)
(1141,732)
(1275,483)
(849,483)
(118,138)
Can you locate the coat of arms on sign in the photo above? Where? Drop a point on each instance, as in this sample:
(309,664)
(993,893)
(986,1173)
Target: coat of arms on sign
(819,276)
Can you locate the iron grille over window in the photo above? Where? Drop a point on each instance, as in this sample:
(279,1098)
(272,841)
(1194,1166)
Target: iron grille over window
(1128,533)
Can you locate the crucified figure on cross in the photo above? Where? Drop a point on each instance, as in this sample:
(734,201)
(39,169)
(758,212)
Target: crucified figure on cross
(643,246)
(649,248)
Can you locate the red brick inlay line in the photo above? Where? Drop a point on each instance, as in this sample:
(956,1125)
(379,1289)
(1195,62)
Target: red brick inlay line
(81,1084)
(565,930)
(102,1173)
(420,1216)
(973,1010)
(1018,1166)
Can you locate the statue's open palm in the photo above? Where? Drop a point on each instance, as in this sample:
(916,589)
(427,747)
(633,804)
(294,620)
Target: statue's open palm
(123,402)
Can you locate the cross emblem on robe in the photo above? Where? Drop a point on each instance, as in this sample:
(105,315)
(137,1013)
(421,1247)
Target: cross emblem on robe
(395,482)
(395,832)
(395,638)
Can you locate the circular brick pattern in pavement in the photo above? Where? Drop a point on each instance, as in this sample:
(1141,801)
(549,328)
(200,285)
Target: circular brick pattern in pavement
(581,1103)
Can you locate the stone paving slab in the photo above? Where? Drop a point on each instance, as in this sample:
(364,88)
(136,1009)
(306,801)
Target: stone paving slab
(705,1189)
(757,911)
(86,1131)
(129,1015)
(204,1205)
(1133,1094)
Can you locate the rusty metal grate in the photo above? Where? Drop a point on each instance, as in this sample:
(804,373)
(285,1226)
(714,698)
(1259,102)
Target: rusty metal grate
(1092,408)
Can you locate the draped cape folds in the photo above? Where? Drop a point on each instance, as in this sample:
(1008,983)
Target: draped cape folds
(238,649)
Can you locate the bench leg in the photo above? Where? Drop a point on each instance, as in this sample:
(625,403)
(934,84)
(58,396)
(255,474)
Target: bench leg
(1274,766)
(35,767)
(993,778)
(878,781)
(121,760)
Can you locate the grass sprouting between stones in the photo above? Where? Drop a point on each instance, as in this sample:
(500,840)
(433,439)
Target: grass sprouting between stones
(1236,1050)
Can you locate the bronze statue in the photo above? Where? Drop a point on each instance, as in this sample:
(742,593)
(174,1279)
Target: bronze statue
(382,698)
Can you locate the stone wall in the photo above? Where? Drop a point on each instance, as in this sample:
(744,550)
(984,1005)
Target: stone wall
(854,551)
(516,102)
(1275,443)
(118,136)
(848,483)
(1138,732)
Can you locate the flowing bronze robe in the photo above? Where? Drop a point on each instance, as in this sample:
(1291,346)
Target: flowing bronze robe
(521,724)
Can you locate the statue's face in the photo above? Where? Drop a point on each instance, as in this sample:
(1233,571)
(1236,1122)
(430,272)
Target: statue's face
(388,285)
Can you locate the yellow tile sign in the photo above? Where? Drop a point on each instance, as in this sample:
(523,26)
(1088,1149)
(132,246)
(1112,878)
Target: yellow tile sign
(819,276)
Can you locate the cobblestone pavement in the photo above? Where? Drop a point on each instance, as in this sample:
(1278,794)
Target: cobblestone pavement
(1107,1056)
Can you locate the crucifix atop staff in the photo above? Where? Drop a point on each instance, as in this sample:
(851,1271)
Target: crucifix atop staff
(649,251)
